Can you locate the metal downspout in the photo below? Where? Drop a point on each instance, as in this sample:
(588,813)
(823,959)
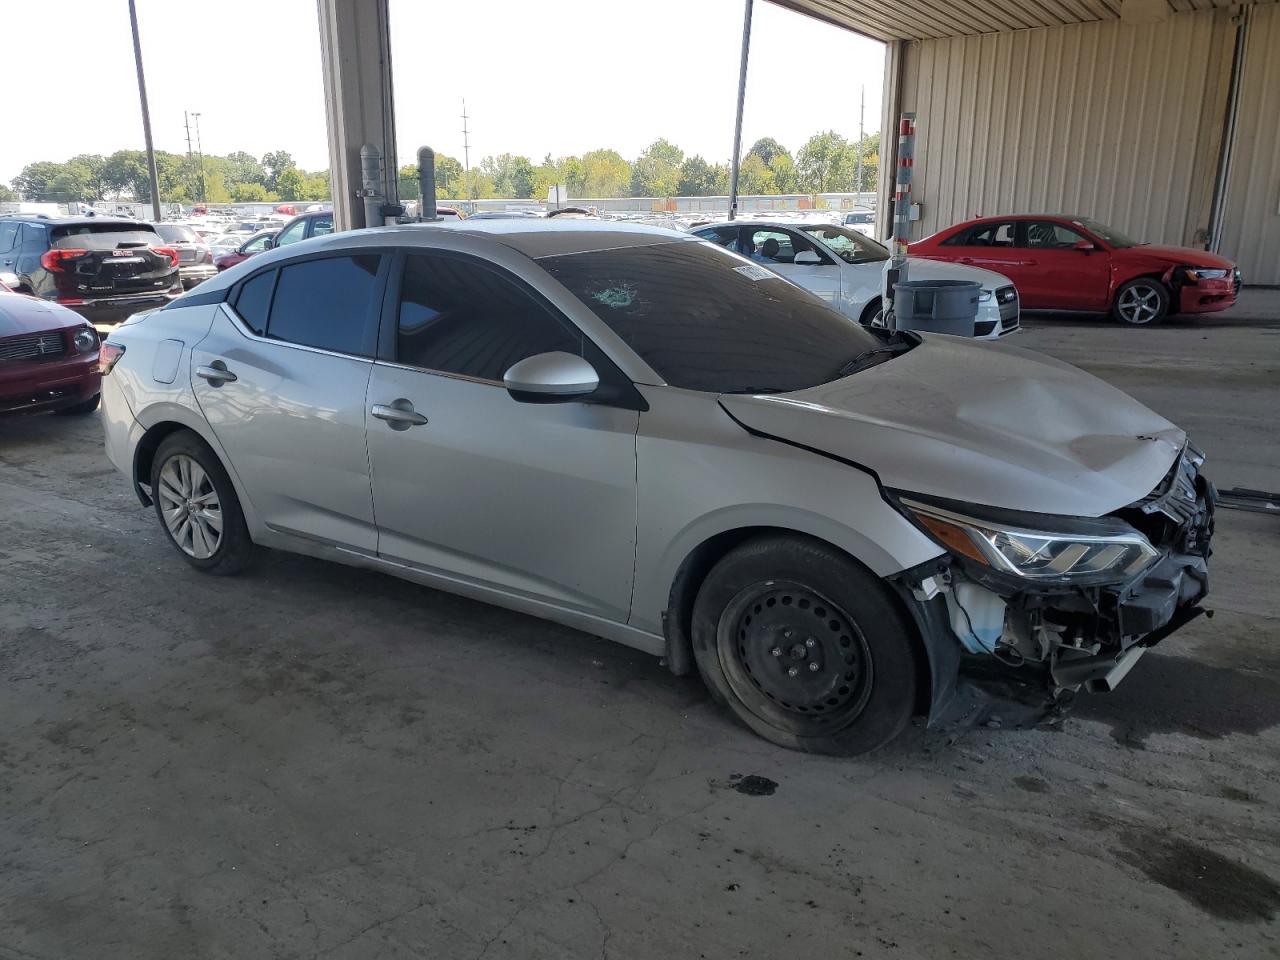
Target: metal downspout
(1217,209)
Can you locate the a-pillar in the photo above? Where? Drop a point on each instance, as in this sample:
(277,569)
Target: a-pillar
(355,51)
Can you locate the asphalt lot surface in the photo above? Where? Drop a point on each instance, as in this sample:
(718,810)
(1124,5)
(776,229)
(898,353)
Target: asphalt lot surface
(313,761)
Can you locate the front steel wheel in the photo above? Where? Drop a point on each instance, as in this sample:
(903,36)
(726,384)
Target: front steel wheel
(1141,302)
(806,646)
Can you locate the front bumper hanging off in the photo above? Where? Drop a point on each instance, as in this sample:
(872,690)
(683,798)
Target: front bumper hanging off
(1061,640)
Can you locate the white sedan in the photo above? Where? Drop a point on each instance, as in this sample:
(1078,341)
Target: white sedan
(847,269)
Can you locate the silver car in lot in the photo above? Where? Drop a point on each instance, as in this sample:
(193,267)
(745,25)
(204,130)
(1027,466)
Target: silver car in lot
(642,435)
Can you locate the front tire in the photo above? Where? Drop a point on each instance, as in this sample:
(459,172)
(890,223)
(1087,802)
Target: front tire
(873,314)
(805,646)
(197,505)
(1141,302)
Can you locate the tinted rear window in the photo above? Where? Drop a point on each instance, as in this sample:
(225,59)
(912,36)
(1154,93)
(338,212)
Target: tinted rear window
(177,233)
(102,236)
(705,319)
(325,303)
(254,301)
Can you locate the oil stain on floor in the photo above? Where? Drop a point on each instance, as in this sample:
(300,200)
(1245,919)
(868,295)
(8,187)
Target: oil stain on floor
(1217,885)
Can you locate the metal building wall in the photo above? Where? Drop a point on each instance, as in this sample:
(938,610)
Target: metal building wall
(1113,120)
(1251,224)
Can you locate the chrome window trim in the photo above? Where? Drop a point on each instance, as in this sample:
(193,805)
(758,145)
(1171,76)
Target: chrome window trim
(395,365)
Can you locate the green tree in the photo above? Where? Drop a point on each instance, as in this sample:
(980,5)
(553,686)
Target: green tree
(274,163)
(512,176)
(826,163)
(248,192)
(870,150)
(604,174)
(33,181)
(6,195)
(785,177)
(243,167)
(289,183)
(767,148)
(656,172)
(125,174)
(698,178)
(755,177)
(93,166)
(448,173)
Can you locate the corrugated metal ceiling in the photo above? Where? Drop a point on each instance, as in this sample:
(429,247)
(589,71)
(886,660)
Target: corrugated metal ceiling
(921,19)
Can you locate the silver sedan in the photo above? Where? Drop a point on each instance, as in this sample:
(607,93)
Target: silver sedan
(642,435)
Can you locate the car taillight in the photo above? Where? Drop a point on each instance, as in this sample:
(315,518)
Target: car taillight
(169,252)
(55,260)
(109,355)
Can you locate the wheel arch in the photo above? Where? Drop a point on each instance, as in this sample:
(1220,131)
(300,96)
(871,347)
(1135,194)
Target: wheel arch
(677,618)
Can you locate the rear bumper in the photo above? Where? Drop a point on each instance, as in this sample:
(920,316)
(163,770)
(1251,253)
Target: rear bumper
(108,311)
(197,273)
(37,387)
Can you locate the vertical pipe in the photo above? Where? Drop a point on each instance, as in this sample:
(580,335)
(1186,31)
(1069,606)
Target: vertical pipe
(371,184)
(427,184)
(1217,207)
(146,113)
(736,162)
(896,268)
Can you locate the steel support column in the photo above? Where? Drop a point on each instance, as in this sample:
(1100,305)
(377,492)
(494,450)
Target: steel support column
(355,50)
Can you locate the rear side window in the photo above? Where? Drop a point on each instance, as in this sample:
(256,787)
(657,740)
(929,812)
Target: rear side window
(33,237)
(326,303)
(254,301)
(177,233)
(8,236)
(983,235)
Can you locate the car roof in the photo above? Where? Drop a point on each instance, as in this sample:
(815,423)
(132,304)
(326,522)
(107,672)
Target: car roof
(537,237)
(75,221)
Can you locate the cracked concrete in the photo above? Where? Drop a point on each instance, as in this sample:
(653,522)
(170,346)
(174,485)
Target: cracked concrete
(313,761)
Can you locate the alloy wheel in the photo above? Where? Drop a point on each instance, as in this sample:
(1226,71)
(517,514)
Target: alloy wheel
(1140,303)
(190,506)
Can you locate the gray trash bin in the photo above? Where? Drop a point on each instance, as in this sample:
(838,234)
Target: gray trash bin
(936,306)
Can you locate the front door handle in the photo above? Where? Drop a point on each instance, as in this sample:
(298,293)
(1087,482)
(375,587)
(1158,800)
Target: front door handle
(398,414)
(216,373)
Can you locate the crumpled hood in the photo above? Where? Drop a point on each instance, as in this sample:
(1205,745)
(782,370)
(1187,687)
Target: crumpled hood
(982,423)
(1187,256)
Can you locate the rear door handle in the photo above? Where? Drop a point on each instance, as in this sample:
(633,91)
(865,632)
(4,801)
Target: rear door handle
(216,373)
(398,414)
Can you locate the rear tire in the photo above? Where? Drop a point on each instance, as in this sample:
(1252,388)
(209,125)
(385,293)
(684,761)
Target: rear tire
(1141,302)
(197,505)
(805,646)
(81,408)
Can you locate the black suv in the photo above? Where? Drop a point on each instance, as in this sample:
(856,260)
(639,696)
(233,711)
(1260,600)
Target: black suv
(103,268)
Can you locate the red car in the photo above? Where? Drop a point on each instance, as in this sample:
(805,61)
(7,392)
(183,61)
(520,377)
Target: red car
(1074,263)
(48,357)
(259,242)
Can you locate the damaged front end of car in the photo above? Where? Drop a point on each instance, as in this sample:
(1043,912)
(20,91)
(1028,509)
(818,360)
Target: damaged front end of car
(1025,610)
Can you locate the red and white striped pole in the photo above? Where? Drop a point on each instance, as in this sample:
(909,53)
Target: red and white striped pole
(897,269)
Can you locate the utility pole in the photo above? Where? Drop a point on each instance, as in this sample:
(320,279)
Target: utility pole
(862,116)
(466,149)
(200,153)
(735,162)
(146,113)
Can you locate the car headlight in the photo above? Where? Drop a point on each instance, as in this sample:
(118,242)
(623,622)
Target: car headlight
(1205,273)
(985,295)
(85,340)
(1040,548)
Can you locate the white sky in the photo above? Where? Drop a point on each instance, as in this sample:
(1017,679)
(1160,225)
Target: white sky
(539,76)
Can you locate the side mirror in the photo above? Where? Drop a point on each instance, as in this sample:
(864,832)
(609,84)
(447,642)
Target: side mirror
(807,258)
(1084,246)
(268,244)
(555,377)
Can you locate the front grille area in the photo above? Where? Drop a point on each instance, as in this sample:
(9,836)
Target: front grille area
(39,346)
(1006,295)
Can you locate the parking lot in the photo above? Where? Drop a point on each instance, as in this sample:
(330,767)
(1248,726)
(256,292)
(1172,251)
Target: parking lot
(317,761)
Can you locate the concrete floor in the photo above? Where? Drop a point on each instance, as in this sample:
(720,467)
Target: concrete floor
(318,762)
